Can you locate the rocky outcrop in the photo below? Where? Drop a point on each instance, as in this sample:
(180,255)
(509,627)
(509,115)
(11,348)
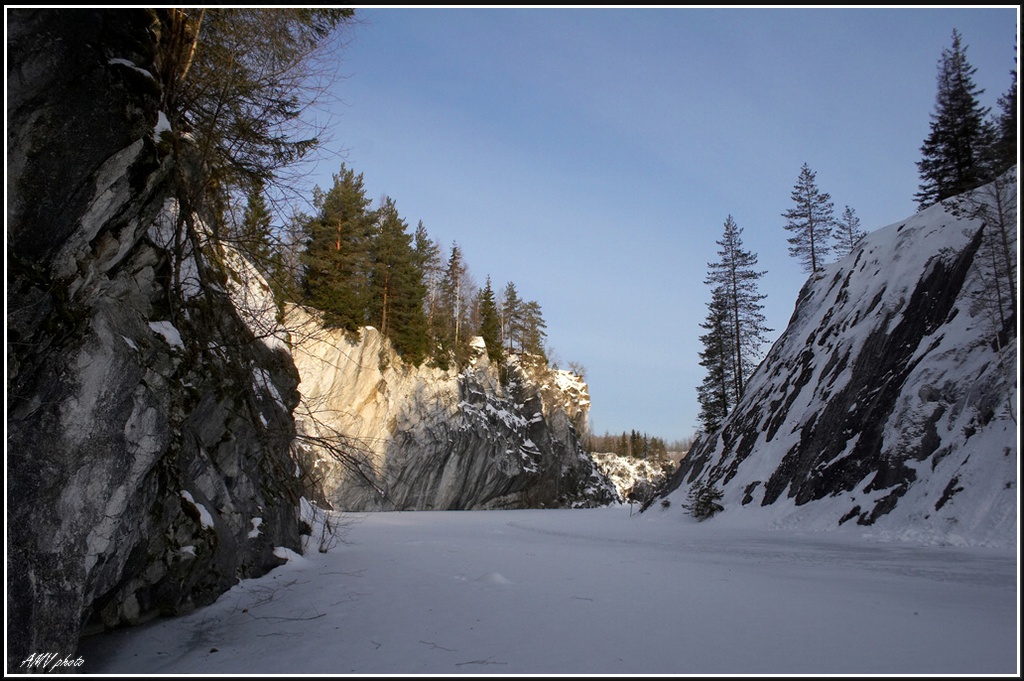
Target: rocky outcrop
(409,437)
(635,480)
(889,401)
(147,432)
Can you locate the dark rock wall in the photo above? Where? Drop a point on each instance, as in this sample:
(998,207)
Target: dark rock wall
(505,448)
(147,435)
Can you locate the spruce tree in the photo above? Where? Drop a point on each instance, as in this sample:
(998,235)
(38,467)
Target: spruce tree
(428,261)
(623,448)
(255,238)
(490,324)
(452,320)
(737,279)
(848,233)
(287,275)
(716,393)
(953,153)
(1004,150)
(336,259)
(511,316)
(811,221)
(266,250)
(635,447)
(702,500)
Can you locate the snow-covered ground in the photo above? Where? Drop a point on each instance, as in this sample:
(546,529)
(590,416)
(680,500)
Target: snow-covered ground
(597,591)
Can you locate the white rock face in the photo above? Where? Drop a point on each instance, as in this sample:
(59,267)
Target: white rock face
(424,438)
(634,479)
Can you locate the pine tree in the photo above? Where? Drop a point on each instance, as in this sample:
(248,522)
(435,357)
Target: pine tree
(255,238)
(734,275)
(452,320)
(336,259)
(716,394)
(953,153)
(396,285)
(490,324)
(534,333)
(811,221)
(1004,151)
(266,250)
(511,316)
(391,246)
(428,261)
(848,233)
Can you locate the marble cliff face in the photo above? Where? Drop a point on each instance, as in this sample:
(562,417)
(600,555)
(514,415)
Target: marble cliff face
(148,432)
(423,438)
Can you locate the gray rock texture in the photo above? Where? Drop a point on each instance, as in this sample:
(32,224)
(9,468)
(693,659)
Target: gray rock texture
(148,435)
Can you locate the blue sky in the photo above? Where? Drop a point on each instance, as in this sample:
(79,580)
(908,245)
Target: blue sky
(591,156)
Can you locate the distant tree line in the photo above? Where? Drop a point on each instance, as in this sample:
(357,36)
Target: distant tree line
(636,445)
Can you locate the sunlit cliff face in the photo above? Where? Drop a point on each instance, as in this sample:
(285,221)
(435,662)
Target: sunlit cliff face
(431,438)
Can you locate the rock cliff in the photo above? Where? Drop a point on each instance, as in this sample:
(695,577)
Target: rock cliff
(148,431)
(889,401)
(635,480)
(424,438)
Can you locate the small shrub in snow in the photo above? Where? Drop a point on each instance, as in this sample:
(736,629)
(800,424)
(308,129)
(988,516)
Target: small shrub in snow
(702,500)
(665,503)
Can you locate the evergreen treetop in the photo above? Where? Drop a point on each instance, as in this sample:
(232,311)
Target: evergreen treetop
(490,324)
(255,237)
(736,276)
(1004,152)
(511,315)
(533,330)
(953,154)
(336,260)
(811,221)
(848,233)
